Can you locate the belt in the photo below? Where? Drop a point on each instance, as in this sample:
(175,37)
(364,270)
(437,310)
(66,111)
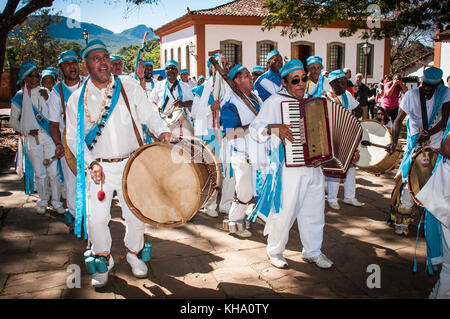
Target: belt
(111,160)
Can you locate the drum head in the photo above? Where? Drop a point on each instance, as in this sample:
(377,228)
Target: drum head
(421,169)
(161,187)
(377,133)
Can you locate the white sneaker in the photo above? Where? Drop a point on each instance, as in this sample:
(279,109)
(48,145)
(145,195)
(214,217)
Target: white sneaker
(41,210)
(353,201)
(278,261)
(320,260)
(101,279)
(211,212)
(242,231)
(401,229)
(334,205)
(138,267)
(60,210)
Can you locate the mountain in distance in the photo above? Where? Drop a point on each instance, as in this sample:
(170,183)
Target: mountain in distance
(69,30)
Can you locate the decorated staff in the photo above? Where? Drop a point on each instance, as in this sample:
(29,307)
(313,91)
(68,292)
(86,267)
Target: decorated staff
(289,193)
(29,116)
(102,121)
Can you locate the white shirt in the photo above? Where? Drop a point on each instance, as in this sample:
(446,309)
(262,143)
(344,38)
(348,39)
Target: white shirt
(27,117)
(410,104)
(312,86)
(56,113)
(157,95)
(118,137)
(352,103)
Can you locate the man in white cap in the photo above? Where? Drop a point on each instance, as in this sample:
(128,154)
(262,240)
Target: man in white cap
(257,72)
(57,102)
(317,84)
(29,116)
(339,94)
(172,96)
(290,193)
(270,82)
(100,132)
(424,128)
(116,64)
(236,117)
(184,75)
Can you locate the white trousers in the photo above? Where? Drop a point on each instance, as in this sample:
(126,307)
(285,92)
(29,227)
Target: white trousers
(442,288)
(303,199)
(349,185)
(44,175)
(70,184)
(244,190)
(99,212)
(227,193)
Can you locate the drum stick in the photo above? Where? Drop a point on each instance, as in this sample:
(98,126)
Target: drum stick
(48,161)
(37,139)
(368,143)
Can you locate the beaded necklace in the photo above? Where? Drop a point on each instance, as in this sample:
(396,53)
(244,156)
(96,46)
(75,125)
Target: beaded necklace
(105,100)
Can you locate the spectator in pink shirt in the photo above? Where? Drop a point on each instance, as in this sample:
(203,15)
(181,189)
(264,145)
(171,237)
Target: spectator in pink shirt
(392,90)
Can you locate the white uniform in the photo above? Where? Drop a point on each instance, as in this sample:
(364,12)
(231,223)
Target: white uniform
(158,96)
(311,86)
(116,141)
(350,179)
(38,152)
(56,114)
(302,192)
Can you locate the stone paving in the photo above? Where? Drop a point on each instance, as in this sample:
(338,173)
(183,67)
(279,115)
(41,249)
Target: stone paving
(198,260)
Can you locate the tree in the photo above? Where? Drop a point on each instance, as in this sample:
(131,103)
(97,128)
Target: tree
(151,52)
(301,17)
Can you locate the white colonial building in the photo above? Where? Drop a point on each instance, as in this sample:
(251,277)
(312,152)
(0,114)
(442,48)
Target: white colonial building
(442,50)
(235,30)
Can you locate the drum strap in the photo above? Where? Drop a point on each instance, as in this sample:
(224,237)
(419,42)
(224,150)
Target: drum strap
(63,104)
(423,106)
(136,131)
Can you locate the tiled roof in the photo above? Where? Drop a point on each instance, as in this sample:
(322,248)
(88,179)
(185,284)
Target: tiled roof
(253,8)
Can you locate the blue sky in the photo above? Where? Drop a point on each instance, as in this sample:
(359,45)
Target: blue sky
(110,14)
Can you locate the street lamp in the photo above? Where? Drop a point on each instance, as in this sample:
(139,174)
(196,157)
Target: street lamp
(86,36)
(366,52)
(192,50)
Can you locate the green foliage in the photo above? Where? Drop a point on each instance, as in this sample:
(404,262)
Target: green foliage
(151,52)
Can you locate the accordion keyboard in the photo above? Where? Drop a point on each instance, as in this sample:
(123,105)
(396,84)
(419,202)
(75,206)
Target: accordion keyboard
(294,150)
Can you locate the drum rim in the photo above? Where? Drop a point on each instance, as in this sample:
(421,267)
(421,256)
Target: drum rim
(413,159)
(387,155)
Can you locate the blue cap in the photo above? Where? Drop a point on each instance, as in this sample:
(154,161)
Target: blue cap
(91,46)
(314,59)
(258,68)
(271,54)
(54,70)
(235,70)
(432,75)
(25,69)
(183,71)
(291,66)
(216,56)
(200,77)
(48,73)
(336,74)
(67,56)
(115,58)
(171,62)
(148,62)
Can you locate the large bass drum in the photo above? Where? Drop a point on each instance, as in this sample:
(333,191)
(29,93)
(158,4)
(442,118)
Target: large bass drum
(165,185)
(374,159)
(70,158)
(422,164)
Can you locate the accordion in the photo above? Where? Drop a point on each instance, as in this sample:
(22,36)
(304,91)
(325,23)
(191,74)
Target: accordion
(325,134)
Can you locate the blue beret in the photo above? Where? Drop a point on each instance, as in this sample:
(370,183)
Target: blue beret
(271,54)
(314,59)
(336,74)
(115,58)
(171,62)
(291,66)
(183,71)
(54,70)
(67,56)
(235,70)
(25,69)
(432,75)
(200,77)
(47,73)
(258,68)
(148,62)
(91,46)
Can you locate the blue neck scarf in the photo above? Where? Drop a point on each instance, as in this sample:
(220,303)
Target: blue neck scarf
(167,89)
(319,88)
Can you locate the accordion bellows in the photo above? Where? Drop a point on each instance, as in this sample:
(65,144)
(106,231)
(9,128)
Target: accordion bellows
(325,134)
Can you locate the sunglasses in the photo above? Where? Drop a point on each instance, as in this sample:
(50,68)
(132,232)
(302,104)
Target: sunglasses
(380,114)
(171,68)
(296,81)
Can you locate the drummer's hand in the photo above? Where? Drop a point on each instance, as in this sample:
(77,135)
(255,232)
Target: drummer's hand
(59,151)
(283,131)
(390,148)
(97,174)
(215,106)
(355,157)
(165,137)
(424,136)
(177,103)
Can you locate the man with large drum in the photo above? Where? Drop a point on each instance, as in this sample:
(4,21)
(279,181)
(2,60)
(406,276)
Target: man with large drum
(428,109)
(102,132)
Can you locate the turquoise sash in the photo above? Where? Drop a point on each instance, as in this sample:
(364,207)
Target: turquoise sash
(319,88)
